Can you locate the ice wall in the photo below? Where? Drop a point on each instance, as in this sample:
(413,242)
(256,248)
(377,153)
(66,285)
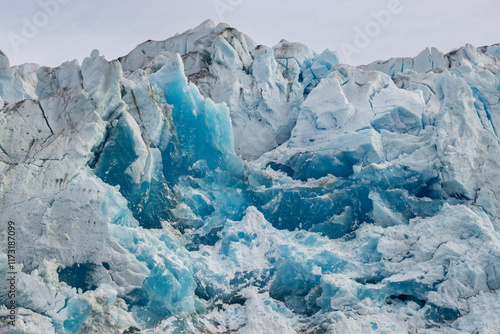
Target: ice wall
(209,184)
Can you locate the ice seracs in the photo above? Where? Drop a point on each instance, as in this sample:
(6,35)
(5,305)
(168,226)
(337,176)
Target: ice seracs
(206,183)
(262,87)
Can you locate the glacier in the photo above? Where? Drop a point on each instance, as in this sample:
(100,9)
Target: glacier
(208,184)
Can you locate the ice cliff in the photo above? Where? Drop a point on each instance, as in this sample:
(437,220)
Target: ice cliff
(207,184)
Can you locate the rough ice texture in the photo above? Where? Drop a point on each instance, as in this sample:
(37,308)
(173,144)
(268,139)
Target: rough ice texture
(207,184)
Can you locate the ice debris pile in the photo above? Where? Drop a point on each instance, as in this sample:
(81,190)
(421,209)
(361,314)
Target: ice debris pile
(207,184)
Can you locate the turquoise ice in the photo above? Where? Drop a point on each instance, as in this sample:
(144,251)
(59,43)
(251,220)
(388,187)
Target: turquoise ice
(206,183)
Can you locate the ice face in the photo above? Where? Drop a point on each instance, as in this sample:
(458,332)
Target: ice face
(209,184)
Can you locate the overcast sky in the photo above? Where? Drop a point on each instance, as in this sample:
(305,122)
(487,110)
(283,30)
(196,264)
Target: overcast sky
(50,32)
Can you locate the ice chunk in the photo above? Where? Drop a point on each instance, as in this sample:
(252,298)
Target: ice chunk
(203,128)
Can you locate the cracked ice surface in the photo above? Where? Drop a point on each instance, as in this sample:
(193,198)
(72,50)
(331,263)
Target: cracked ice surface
(209,184)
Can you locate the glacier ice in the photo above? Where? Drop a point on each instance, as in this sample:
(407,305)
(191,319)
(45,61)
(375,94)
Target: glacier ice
(206,183)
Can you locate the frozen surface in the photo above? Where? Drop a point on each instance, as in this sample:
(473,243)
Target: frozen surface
(207,184)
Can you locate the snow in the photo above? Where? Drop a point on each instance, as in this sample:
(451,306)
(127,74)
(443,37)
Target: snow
(209,184)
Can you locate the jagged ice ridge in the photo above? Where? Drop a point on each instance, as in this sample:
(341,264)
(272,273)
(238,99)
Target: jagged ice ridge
(207,184)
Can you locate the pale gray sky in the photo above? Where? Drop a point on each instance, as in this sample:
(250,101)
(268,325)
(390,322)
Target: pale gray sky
(50,32)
